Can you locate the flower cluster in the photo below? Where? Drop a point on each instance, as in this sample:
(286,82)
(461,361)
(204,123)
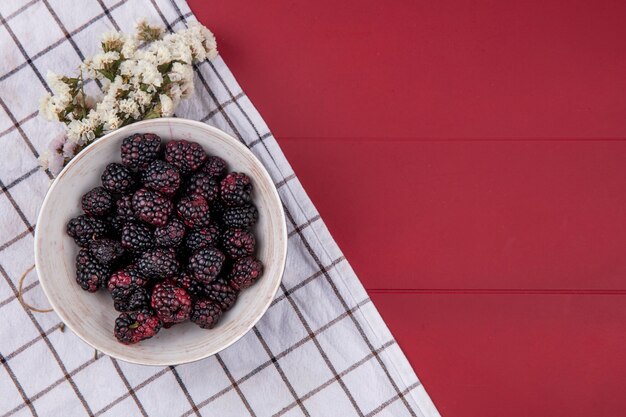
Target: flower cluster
(143,76)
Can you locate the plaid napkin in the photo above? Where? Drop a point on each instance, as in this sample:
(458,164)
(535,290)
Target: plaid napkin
(321,350)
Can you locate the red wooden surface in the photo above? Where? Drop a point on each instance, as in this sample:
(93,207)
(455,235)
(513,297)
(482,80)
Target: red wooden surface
(469,159)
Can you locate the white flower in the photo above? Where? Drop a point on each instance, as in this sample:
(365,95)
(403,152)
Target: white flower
(48,108)
(141,97)
(112,41)
(150,74)
(100,61)
(130,46)
(167,105)
(69,149)
(130,108)
(80,131)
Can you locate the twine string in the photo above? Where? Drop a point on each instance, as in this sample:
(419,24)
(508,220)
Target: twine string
(20,294)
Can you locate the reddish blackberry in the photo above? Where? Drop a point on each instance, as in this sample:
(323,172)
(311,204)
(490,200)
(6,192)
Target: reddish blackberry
(116,178)
(245,272)
(162,177)
(240,217)
(128,277)
(184,155)
(204,185)
(124,208)
(90,275)
(85,229)
(97,202)
(151,207)
(238,243)
(235,189)
(158,263)
(171,303)
(138,151)
(137,237)
(136,326)
(206,263)
(215,167)
(201,238)
(206,313)
(170,235)
(221,294)
(194,211)
(106,251)
(186,281)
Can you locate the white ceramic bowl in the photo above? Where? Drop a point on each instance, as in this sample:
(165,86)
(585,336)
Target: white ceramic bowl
(91,316)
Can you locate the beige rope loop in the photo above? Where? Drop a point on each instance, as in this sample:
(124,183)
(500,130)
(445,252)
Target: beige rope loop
(20,294)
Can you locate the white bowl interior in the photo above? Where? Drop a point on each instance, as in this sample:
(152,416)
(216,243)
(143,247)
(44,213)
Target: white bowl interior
(91,316)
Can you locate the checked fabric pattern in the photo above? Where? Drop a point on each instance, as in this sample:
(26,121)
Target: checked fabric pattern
(322,348)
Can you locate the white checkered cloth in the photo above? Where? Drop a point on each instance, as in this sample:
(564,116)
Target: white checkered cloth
(332,356)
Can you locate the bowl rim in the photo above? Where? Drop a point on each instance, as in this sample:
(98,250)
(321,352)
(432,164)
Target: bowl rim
(146,123)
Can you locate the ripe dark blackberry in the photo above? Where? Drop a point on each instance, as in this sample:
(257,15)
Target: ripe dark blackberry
(106,251)
(90,274)
(84,229)
(238,243)
(205,313)
(124,208)
(170,235)
(245,272)
(204,185)
(240,217)
(215,167)
(158,263)
(221,294)
(201,238)
(137,237)
(151,207)
(162,177)
(235,189)
(186,281)
(194,211)
(136,326)
(206,263)
(171,303)
(115,224)
(184,155)
(118,179)
(97,202)
(138,151)
(128,277)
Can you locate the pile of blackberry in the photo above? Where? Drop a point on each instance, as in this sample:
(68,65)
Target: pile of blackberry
(168,234)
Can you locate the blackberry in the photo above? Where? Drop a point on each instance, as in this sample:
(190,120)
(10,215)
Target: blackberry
(136,326)
(171,303)
(128,277)
(130,299)
(118,179)
(137,237)
(245,272)
(158,263)
(204,185)
(106,251)
(138,151)
(205,313)
(90,275)
(221,294)
(162,177)
(97,202)
(184,155)
(200,238)
(170,235)
(240,217)
(215,167)
(124,208)
(186,281)
(194,211)
(206,263)
(151,207)
(238,243)
(235,189)
(115,225)
(84,229)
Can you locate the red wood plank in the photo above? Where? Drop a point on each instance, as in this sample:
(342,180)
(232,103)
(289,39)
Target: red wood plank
(479,214)
(428,68)
(514,355)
